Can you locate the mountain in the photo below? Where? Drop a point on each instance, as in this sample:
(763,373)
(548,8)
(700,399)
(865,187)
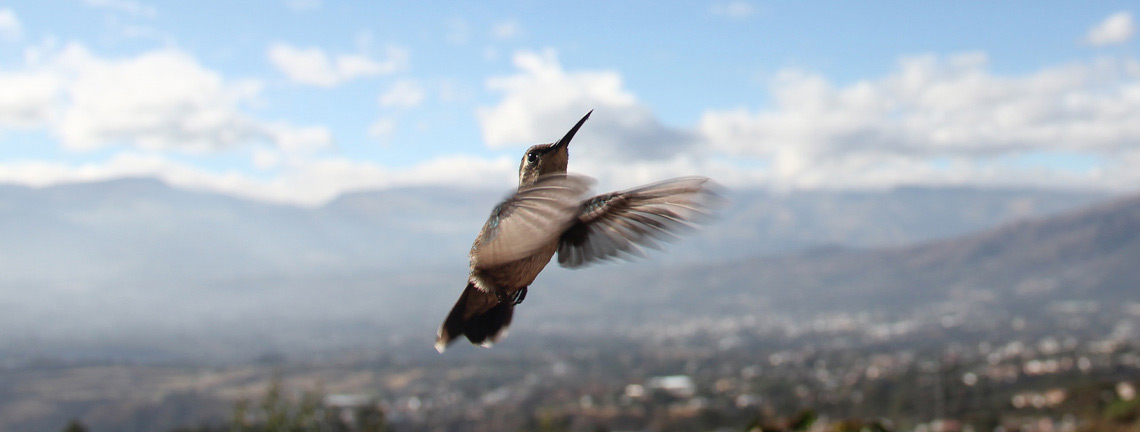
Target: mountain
(142,227)
(768,223)
(134,268)
(1088,255)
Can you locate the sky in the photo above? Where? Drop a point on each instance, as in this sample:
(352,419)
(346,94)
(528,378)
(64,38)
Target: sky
(298,101)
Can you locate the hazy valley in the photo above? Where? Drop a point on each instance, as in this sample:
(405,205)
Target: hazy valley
(139,307)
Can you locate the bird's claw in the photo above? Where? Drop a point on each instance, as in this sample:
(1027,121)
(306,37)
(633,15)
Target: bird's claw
(520,295)
(515,297)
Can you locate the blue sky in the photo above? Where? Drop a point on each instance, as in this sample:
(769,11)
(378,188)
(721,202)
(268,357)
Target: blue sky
(300,100)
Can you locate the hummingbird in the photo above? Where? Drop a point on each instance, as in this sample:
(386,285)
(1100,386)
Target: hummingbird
(549,214)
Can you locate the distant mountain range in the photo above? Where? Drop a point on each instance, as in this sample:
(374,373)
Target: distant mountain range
(135,228)
(138,269)
(1085,255)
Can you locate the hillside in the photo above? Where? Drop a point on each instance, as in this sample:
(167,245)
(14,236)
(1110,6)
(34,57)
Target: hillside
(1087,255)
(134,268)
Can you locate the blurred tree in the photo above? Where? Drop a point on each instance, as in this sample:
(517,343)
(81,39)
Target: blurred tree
(804,420)
(366,418)
(275,412)
(1123,411)
(75,426)
(801,422)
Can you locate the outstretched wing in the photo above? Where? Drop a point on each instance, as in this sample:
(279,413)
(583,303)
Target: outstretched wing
(621,223)
(531,218)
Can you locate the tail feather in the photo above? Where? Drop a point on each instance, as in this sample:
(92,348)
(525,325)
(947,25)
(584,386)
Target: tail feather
(479,316)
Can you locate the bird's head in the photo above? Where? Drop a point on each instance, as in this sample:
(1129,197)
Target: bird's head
(543,159)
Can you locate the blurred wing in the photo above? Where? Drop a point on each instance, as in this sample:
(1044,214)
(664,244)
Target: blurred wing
(621,223)
(531,218)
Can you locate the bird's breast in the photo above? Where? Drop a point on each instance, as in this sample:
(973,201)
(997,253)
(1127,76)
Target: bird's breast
(515,274)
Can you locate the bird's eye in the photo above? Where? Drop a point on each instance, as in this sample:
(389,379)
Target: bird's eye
(531,157)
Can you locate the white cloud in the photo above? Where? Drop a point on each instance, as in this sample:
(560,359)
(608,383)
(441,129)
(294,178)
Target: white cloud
(316,181)
(895,129)
(542,101)
(382,128)
(306,181)
(10,27)
(158,100)
(313,66)
(126,6)
(734,9)
(1117,28)
(265,158)
(298,140)
(27,99)
(933,120)
(403,94)
(506,30)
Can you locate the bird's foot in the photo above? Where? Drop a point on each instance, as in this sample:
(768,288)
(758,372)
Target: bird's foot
(515,297)
(520,295)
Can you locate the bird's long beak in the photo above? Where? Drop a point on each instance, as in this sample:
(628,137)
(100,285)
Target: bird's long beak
(565,141)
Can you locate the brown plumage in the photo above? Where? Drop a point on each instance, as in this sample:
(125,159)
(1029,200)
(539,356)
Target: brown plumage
(548,215)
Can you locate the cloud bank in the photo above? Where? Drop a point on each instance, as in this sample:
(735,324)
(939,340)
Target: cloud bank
(930,120)
(933,120)
(10,26)
(312,66)
(158,100)
(936,119)
(542,100)
(1116,29)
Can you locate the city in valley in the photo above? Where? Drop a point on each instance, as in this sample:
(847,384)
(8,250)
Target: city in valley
(1027,325)
(951,368)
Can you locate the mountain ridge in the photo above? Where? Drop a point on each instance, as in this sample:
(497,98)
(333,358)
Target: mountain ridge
(141,264)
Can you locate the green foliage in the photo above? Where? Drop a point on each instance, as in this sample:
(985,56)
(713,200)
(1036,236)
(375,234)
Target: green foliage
(368,418)
(1122,411)
(277,413)
(548,422)
(806,420)
(803,420)
(858,426)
